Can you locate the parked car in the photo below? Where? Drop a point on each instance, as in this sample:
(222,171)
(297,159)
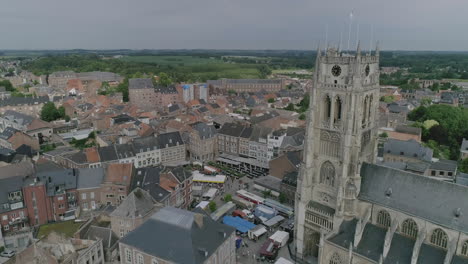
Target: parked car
(8,253)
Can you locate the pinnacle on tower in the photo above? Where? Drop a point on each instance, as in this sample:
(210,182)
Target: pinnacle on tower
(358,52)
(377,49)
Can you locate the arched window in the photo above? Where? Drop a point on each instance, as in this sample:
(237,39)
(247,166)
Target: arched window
(439,238)
(327,108)
(410,228)
(327,174)
(384,219)
(335,259)
(365,110)
(370,108)
(338,109)
(464,250)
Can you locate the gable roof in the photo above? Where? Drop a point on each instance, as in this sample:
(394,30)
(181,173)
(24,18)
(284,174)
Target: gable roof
(140,83)
(19,118)
(90,178)
(189,237)
(410,148)
(410,193)
(137,204)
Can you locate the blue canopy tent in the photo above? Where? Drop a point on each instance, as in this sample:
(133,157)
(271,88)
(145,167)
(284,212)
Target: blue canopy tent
(240,224)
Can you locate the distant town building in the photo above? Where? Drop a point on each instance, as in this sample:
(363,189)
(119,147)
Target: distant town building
(245,85)
(197,237)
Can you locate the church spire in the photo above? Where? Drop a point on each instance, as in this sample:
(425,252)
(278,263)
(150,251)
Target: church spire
(377,49)
(358,51)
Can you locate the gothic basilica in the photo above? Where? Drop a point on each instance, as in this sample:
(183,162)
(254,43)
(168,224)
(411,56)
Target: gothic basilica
(350,210)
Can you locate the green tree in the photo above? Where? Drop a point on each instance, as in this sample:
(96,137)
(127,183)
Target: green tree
(290,107)
(435,87)
(430,123)
(227,197)
(463,166)
(263,71)
(7,84)
(61,111)
(49,112)
(304,103)
(282,198)
(384,135)
(302,116)
(271,100)
(212,206)
(164,79)
(388,99)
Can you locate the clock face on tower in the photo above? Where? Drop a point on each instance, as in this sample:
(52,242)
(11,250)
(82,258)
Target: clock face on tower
(367,70)
(336,70)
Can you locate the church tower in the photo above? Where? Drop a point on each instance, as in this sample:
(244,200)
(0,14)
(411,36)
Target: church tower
(341,134)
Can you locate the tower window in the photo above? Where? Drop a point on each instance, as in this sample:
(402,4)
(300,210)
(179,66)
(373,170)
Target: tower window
(409,228)
(383,218)
(338,109)
(336,81)
(327,107)
(327,174)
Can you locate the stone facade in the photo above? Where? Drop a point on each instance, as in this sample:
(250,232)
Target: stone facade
(341,133)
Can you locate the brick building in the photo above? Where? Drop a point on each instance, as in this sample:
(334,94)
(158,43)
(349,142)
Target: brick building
(116,184)
(245,85)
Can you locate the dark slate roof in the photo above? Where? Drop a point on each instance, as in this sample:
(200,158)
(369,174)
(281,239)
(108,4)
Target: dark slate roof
(410,193)
(97,232)
(446,165)
(137,204)
(19,118)
(431,255)
(204,131)
(259,132)
(401,250)
(345,234)
(410,149)
(232,129)
(264,117)
(8,133)
(140,83)
(462,179)
(170,139)
(90,178)
(215,106)
(124,151)
(6,186)
(203,109)
(122,118)
(58,181)
(107,153)
(174,107)
(181,173)
(185,241)
(247,132)
(202,101)
(148,179)
(290,178)
(145,144)
(13,101)
(294,158)
(372,241)
(166,89)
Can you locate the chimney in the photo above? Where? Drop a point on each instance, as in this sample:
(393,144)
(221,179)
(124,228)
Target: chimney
(199,220)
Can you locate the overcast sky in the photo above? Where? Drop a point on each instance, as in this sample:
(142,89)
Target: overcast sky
(231,24)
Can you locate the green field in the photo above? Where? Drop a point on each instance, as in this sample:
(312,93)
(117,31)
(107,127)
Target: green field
(173,60)
(200,68)
(67,228)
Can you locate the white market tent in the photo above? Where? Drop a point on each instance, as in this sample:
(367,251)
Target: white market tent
(280,237)
(282,260)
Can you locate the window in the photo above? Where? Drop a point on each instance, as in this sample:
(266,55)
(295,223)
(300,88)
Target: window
(327,108)
(449,173)
(6,227)
(433,173)
(439,238)
(384,219)
(327,174)
(409,228)
(92,195)
(338,107)
(128,255)
(83,196)
(441,173)
(464,250)
(335,259)
(140,259)
(154,261)
(5,217)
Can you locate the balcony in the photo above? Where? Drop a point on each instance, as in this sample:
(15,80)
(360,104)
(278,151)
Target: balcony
(18,220)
